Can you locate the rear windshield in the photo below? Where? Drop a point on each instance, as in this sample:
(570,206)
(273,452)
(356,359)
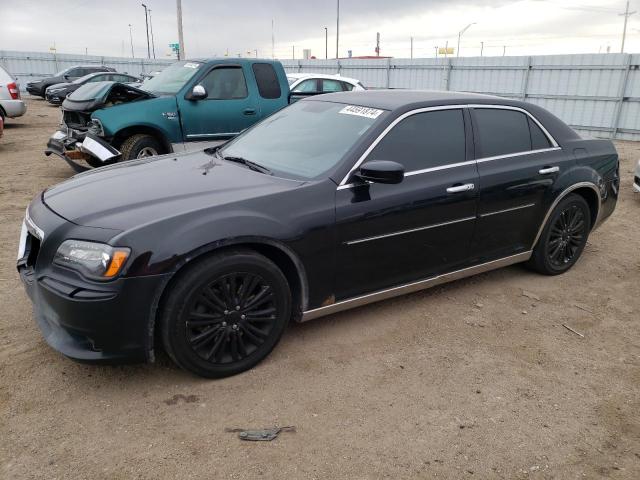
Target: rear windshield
(173,78)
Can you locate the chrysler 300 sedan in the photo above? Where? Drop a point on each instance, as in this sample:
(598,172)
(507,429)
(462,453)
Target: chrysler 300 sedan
(334,202)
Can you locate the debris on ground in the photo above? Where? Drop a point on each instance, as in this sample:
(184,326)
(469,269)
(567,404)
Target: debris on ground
(530,295)
(261,435)
(572,330)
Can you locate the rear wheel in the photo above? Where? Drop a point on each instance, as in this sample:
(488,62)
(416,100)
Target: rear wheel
(140,145)
(563,238)
(225,314)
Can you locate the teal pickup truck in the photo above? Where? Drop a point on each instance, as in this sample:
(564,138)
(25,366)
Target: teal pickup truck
(191,104)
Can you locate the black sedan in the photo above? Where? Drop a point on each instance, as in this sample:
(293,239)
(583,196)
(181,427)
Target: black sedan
(55,94)
(70,74)
(334,202)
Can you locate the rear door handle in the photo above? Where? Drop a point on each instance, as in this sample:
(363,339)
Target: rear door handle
(548,170)
(461,188)
(249,111)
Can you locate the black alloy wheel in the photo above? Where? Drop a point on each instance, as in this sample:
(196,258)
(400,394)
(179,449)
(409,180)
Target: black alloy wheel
(225,313)
(563,238)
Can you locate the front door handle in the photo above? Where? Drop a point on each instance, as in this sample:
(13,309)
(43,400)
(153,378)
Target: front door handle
(548,170)
(249,111)
(461,188)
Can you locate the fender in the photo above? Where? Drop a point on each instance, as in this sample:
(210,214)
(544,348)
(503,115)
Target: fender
(208,249)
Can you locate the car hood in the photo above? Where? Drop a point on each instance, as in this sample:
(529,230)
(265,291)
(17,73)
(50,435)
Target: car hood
(94,95)
(56,86)
(130,194)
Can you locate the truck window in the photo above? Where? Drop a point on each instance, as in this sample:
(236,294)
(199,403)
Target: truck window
(267,80)
(225,83)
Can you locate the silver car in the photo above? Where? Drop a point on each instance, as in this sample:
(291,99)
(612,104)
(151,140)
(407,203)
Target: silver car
(11,105)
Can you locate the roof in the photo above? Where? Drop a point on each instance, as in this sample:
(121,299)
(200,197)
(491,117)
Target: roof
(236,60)
(394,99)
(322,75)
(401,101)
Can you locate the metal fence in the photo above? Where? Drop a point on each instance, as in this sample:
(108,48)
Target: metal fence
(30,66)
(597,94)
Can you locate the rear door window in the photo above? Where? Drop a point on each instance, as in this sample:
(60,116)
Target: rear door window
(267,80)
(424,140)
(225,83)
(502,132)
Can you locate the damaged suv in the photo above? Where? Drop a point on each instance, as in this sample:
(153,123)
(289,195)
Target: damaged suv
(191,104)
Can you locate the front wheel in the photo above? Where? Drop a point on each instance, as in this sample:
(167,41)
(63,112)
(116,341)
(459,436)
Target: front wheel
(563,238)
(225,314)
(140,146)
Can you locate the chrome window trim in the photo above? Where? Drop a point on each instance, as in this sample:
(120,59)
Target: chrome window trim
(519,109)
(555,146)
(411,230)
(413,287)
(497,212)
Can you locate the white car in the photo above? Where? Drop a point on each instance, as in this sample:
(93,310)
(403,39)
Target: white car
(11,105)
(636,178)
(322,83)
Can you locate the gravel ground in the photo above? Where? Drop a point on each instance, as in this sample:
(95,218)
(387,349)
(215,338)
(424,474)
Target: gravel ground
(474,379)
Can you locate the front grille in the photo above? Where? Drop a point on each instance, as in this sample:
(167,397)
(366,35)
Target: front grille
(76,120)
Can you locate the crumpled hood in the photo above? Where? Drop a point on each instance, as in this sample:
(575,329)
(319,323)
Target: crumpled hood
(130,194)
(94,95)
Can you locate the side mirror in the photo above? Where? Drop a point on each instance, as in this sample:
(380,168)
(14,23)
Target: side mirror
(66,77)
(381,171)
(198,93)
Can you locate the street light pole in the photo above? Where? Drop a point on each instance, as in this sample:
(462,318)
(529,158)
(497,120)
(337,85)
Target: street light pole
(326,43)
(338,30)
(153,44)
(131,39)
(481,48)
(460,36)
(626,16)
(180,35)
(146,21)
(412,48)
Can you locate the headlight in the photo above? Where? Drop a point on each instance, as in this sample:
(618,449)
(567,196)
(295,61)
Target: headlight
(95,126)
(94,260)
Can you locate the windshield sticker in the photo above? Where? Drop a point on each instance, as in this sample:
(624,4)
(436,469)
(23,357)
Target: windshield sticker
(191,65)
(361,111)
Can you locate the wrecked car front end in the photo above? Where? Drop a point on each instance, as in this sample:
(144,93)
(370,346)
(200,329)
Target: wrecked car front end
(81,137)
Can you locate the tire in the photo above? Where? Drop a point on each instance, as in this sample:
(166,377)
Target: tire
(139,146)
(563,238)
(204,333)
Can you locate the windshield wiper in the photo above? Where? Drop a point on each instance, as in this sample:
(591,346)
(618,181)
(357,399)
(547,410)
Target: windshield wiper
(247,163)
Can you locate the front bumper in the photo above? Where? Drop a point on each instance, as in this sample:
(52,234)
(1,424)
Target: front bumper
(55,99)
(73,145)
(34,90)
(110,323)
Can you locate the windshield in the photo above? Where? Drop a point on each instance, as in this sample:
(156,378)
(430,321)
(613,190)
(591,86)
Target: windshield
(62,72)
(291,80)
(172,78)
(305,139)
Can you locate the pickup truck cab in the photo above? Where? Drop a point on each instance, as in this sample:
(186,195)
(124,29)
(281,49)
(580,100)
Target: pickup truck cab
(191,104)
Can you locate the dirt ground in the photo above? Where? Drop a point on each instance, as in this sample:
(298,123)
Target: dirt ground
(474,379)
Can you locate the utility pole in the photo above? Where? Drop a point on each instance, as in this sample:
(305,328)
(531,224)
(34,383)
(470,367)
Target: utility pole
(481,48)
(153,45)
(446,49)
(436,47)
(460,36)
(273,41)
(626,16)
(378,44)
(293,51)
(504,50)
(338,31)
(180,35)
(326,43)
(256,50)
(131,39)
(412,48)
(146,21)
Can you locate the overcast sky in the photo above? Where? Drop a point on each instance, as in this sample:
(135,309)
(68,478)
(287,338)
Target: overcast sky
(213,27)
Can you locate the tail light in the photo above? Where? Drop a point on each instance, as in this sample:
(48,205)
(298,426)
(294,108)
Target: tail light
(13,90)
